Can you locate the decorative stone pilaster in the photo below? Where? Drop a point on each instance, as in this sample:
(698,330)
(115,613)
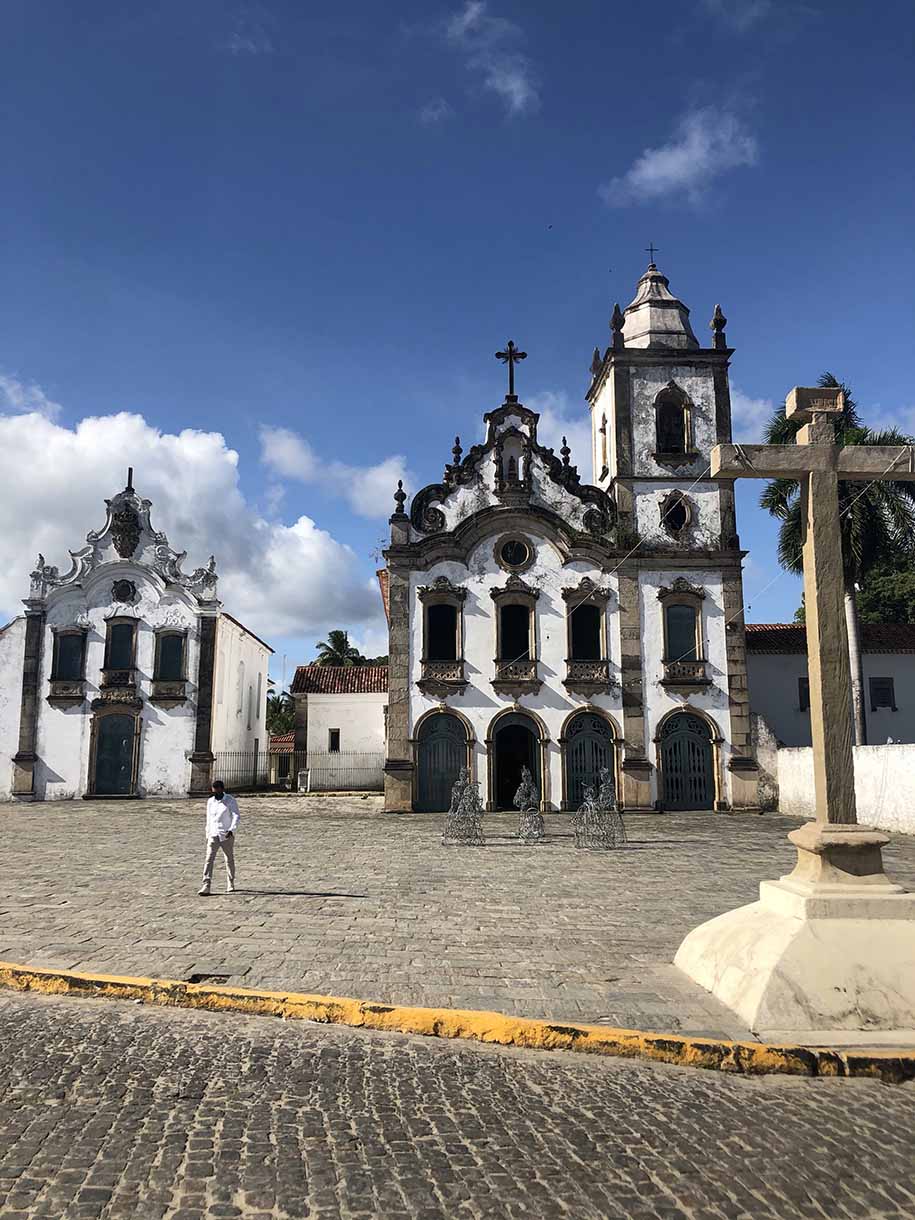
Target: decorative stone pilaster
(636,768)
(742,765)
(202,757)
(23,786)
(398,766)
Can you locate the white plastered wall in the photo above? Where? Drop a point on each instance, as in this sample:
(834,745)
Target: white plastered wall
(773,680)
(240,698)
(359,717)
(479,704)
(884,785)
(12,650)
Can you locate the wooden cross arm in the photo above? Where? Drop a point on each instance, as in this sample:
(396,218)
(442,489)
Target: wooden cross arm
(792,461)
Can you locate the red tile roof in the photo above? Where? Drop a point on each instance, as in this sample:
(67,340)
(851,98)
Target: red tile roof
(384,583)
(792,637)
(340,680)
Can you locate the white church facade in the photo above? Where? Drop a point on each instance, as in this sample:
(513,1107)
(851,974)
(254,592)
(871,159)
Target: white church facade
(540,620)
(125,677)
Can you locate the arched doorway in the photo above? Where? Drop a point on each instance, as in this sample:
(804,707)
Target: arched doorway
(114,754)
(516,744)
(588,747)
(441,750)
(687,762)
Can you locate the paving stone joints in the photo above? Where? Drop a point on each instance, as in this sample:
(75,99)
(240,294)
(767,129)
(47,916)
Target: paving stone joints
(121,1111)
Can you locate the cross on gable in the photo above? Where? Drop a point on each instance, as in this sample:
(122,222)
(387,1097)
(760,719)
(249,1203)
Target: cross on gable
(511,356)
(819,464)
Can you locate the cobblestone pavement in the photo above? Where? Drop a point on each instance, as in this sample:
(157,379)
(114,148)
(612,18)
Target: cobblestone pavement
(116,1110)
(339,898)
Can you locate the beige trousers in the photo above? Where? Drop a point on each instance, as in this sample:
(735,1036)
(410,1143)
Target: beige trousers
(228,850)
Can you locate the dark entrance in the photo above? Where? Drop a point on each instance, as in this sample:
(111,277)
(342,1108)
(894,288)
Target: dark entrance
(687,767)
(114,747)
(588,747)
(516,745)
(441,752)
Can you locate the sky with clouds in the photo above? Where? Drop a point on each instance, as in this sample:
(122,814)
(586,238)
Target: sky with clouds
(264,253)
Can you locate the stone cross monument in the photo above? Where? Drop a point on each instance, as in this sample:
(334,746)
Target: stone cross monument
(831,946)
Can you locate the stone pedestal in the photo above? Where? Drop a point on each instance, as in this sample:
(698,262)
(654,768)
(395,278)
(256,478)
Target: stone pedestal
(826,954)
(636,794)
(398,785)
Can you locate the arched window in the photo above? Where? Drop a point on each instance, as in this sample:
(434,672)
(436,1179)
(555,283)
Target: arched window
(516,637)
(671,422)
(681,632)
(119,645)
(443,643)
(585,633)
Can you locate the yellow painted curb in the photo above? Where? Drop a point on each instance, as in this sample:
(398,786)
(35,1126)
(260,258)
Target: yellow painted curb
(750,1058)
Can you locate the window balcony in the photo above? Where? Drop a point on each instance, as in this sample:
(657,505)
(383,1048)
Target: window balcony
(516,677)
(588,677)
(685,676)
(117,686)
(168,692)
(64,692)
(443,678)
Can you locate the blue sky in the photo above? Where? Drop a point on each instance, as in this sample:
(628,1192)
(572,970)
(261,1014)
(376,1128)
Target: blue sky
(323,221)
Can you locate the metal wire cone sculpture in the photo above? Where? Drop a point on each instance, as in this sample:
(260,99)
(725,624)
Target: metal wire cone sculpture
(527,802)
(598,824)
(464,820)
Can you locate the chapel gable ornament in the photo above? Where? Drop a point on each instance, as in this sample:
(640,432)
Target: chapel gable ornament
(441,589)
(124,591)
(681,587)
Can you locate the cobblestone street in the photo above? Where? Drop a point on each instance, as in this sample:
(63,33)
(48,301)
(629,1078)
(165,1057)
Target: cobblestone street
(336,897)
(116,1110)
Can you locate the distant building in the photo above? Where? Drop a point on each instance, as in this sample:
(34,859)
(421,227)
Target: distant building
(779,688)
(340,724)
(125,677)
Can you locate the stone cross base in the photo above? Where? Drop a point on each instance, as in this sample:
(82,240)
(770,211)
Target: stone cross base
(813,962)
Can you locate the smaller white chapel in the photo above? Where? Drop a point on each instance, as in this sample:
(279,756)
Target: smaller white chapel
(125,677)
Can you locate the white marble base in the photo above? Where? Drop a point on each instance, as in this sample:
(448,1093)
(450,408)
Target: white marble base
(812,960)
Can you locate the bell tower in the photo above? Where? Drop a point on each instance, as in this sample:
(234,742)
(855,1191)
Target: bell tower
(659,403)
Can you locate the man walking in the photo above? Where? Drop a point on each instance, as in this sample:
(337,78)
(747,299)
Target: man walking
(222,822)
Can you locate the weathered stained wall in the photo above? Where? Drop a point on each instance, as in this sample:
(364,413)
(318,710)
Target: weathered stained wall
(774,694)
(240,703)
(884,785)
(12,646)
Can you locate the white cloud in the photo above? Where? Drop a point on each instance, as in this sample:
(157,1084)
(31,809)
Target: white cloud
(369,490)
(557,420)
(280,580)
(749,416)
(707,143)
(489,47)
(436,111)
(740,15)
(16,396)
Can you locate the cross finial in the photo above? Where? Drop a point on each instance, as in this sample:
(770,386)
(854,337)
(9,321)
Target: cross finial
(511,356)
(651,250)
(129,486)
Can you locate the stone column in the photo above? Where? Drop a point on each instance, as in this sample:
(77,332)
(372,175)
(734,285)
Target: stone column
(23,786)
(398,766)
(202,756)
(742,765)
(636,767)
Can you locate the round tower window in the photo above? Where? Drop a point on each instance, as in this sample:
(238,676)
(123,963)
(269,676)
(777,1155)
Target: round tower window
(515,553)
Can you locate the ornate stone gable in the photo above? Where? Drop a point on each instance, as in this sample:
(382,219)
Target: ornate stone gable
(512,469)
(126,535)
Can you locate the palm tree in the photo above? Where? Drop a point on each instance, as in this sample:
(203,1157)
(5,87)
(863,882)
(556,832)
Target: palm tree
(877,520)
(337,650)
(280,714)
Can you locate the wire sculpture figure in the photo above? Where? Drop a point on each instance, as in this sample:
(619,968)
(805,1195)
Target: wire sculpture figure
(527,802)
(464,819)
(598,824)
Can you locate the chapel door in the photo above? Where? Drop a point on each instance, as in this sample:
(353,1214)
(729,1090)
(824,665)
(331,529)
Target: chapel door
(516,746)
(588,748)
(687,765)
(441,752)
(114,749)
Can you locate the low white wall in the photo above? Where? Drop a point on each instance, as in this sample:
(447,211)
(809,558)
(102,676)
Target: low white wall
(360,719)
(884,785)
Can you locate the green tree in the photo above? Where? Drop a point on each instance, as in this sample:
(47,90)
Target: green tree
(337,650)
(887,593)
(877,519)
(280,714)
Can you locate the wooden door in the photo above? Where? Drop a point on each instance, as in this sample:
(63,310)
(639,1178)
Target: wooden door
(114,749)
(442,751)
(687,765)
(588,747)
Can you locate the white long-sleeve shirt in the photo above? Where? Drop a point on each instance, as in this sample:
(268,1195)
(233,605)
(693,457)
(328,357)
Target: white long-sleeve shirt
(222,816)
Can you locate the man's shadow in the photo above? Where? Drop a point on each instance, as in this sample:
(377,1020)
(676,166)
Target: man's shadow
(295,893)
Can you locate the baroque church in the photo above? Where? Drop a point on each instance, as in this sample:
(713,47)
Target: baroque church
(125,677)
(540,619)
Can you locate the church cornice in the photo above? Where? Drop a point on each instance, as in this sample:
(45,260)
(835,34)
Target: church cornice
(641,357)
